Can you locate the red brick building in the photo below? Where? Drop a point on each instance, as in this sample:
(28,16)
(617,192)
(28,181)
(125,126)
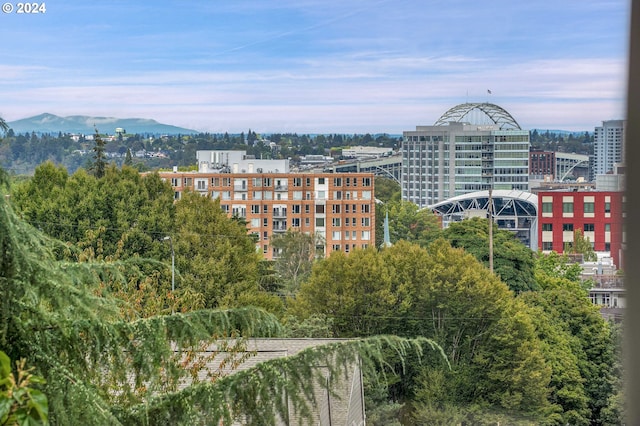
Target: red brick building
(599,214)
(340,207)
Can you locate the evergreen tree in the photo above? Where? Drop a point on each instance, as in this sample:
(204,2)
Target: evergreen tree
(128,159)
(99,164)
(103,370)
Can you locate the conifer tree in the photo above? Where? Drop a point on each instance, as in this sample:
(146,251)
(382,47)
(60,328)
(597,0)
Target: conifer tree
(99,164)
(101,369)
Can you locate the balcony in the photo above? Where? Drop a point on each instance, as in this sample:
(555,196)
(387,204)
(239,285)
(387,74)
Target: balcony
(279,213)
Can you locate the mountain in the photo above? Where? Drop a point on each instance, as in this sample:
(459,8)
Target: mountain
(49,123)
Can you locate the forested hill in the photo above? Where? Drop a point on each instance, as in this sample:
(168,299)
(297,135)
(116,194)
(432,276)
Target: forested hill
(82,124)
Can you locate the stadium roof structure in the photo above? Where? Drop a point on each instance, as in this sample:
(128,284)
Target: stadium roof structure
(513,210)
(496,114)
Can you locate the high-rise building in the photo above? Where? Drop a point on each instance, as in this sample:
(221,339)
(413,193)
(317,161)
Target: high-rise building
(608,146)
(338,207)
(454,157)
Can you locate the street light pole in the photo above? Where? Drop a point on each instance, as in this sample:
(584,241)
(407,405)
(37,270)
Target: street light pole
(173,264)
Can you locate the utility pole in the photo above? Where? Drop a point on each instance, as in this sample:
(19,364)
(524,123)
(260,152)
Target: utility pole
(491,229)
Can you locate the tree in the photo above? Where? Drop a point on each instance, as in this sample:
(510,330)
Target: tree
(513,261)
(582,330)
(128,160)
(20,403)
(296,255)
(407,222)
(387,189)
(582,245)
(3,125)
(99,163)
(100,369)
(444,294)
(214,255)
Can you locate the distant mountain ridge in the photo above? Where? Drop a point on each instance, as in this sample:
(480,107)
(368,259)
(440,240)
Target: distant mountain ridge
(50,123)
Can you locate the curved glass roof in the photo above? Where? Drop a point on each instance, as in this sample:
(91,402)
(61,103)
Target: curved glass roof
(495,113)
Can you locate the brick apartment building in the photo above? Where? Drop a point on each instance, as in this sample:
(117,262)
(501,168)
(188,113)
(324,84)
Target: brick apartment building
(340,207)
(599,214)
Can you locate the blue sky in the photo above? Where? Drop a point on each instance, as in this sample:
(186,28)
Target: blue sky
(307,66)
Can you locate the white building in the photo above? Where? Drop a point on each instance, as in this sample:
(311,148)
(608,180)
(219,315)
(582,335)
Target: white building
(608,146)
(454,157)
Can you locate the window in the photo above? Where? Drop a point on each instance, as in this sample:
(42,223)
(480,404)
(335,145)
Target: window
(547,245)
(297,182)
(567,226)
(307,209)
(336,247)
(607,246)
(297,195)
(337,195)
(366,181)
(607,207)
(335,208)
(265,235)
(338,181)
(547,226)
(295,209)
(319,221)
(366,195)
(266,181)
(348,181)
(336,235)
(336,221)
(175,181)
(365,208)
(265,248)
(255,208)
(321,195)
(265,222)
(321,181)
(265,208)
(589,227)
(567,207)
(295,222)
(365,221)
(547,207)
(255,223)
(607,227)
(353,221)
(589,207)
(366,235)
(319,208)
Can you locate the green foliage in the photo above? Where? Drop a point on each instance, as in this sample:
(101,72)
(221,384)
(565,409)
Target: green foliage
(135,211)
(444,294)
(513,262)
(579,349)
(99,162)
(214,255)
(20,403)
(296,255)
(387,189)
(407,222)
(554,265)
(582,245)
(315,326)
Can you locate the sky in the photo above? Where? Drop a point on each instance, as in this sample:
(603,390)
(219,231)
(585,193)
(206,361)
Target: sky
(307,66)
